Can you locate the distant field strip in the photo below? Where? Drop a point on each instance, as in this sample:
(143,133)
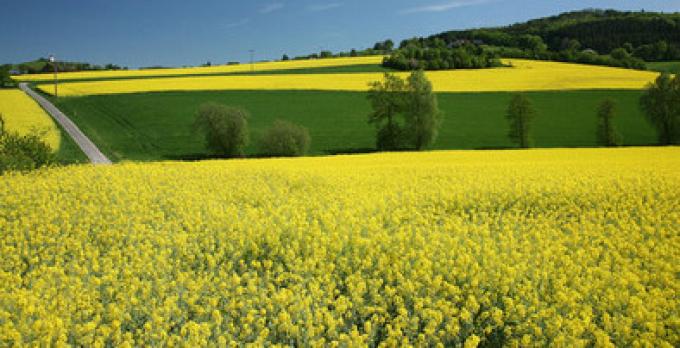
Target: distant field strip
(342,69)
(669,67)
(22,115)
(525,75)
(211,70)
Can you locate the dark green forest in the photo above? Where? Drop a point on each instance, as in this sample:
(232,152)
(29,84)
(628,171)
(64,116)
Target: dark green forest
(599,37)
(650,36)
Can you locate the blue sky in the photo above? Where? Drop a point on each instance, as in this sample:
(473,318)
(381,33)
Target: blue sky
(138,33)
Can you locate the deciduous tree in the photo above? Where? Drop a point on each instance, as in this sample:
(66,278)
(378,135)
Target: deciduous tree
(422,112)
(661,105)
(606,131)
(387,99)
(520,115)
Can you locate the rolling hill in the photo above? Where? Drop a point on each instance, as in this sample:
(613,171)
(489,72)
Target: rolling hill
(651,36)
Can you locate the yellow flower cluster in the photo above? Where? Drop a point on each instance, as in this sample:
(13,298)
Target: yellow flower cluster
(217,69)
(524,75)
(23,115)
(520,248)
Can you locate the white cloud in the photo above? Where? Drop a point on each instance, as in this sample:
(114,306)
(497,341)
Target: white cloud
(269,8)
(442,7)
(324,7)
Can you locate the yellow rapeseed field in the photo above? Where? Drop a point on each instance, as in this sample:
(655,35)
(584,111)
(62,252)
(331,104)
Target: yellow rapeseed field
(569,248)
(218,69)
(525,75)
(23,115)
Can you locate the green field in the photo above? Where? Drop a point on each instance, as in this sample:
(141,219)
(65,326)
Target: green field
(669,67)
(158,126)
(69,152)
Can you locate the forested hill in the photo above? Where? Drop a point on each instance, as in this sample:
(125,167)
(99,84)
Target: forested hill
(648,35)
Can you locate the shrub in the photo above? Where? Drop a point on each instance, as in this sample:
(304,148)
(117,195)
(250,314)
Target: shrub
(23,152)
(225,128)
(5,80)
(284,138)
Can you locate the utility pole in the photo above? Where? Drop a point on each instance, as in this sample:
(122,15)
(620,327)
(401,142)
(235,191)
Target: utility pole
(252,58)
(54,63)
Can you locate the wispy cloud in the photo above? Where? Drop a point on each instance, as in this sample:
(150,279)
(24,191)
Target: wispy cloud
(324,7)
(238,23)
(271,7)
(442,7)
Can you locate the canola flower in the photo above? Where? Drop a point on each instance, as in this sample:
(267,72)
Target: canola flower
(23,115)
(561,247)
(524,75)
(217,69)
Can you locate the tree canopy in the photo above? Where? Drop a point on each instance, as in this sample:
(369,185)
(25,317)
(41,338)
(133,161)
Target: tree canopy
(405,112)
(520,116)
(661,105)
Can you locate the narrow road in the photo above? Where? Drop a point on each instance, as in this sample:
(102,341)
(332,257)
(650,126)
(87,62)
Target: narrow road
(85,144)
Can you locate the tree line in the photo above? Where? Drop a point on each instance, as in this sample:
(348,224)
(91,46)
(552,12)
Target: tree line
(596,37)
(646,35)
(481,52)
(413,55)
(43,65)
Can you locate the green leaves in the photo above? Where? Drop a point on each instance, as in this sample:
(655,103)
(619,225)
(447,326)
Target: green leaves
(405,112)
(520,116)
(225,128)
(661,104)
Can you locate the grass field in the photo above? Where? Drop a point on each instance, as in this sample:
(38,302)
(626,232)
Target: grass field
(157,126)
(69,152)
(524,75)
(669,67)
(561,247)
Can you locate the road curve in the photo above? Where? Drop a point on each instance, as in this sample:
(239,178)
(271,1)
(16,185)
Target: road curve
(85,144)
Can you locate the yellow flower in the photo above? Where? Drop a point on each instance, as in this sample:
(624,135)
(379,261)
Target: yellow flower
(24,116)
(472,341)
(524,75)
(563,247)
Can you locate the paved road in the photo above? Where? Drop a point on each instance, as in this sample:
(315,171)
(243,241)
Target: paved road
(88,147)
